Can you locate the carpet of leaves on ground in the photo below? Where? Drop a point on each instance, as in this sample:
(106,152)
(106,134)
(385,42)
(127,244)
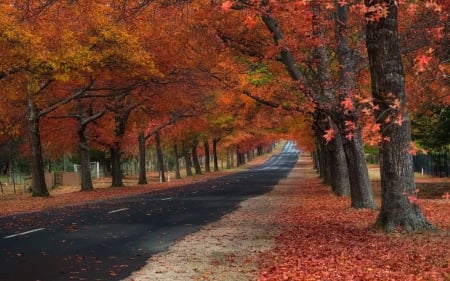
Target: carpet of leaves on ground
(324,239)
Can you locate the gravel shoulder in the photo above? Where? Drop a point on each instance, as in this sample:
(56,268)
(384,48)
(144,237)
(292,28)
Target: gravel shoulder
(229,249)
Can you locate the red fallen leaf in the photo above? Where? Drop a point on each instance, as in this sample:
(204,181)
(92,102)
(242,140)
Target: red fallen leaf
(112,273)
(226,6)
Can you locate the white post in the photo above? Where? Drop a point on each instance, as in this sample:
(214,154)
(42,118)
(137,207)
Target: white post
(160,177)
(97,169)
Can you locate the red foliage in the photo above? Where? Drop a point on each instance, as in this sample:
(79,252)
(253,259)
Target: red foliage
(323,239)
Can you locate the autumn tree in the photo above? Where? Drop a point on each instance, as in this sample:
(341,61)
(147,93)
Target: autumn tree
(399,209)
(314,79)
(51,49)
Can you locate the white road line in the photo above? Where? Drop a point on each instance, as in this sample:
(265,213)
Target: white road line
(118,210)
(23,233)
(165,199)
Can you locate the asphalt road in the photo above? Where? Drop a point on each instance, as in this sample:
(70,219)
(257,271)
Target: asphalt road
(111,239)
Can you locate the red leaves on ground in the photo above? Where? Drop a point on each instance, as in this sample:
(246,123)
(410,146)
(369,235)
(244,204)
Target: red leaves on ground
(422,62)
(324,239)
(226,6)
(446,196)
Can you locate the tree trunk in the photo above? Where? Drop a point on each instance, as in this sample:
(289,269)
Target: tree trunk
(260,150)
(38,186)
(160,156)
(240,158)
(230,159)
(360,187)
(116,172)
(207,155)
(399,209)
(142,170)
(340,181)
(177,163)
(215,159)
(321,159)
(86,177)
(187,159)
(198,169)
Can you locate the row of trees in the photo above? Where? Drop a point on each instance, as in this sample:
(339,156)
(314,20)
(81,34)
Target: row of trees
(329,71)
(111,75)
(115,75)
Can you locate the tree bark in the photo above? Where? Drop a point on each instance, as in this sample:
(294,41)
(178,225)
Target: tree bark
(177,163)
(116,172)
(85,158)
(340,182)
(198,169)
(142,170)
(187,159)
(215,158)
(160,156)
(207,155)
(361,189)
(399,209)
(121,119)
(38,185)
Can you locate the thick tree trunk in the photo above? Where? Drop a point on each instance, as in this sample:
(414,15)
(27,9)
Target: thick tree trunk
(38,186)
(86,177)
(399,210)
(321,159)
(198,169)
(340,179)
(207,155)
(142,170)
(177,162)
(328,164)
(215,158)
(116,172)
(160,156)
(360,187)
(361,190)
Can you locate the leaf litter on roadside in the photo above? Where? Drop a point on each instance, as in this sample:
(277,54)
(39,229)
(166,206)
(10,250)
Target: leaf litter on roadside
(324,239)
